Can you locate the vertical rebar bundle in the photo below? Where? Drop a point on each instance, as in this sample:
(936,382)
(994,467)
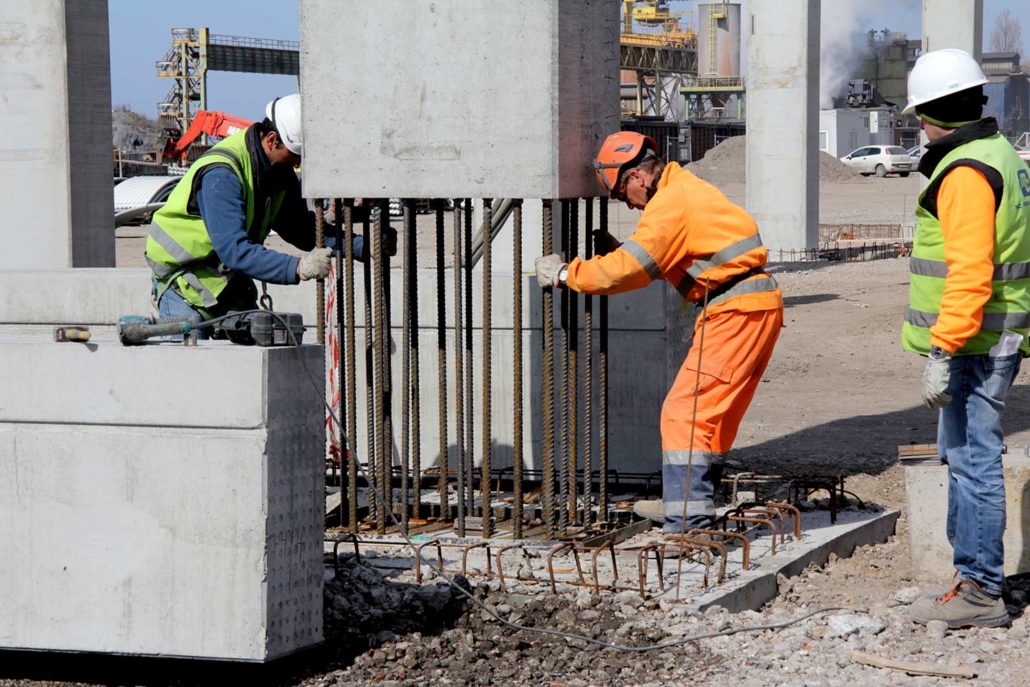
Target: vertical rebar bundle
(470,460)
(441,353)
(517,364)
(588,377)
(484,473)
(352,380)
(547,397)
(408,208)
(459,365)
(602,505)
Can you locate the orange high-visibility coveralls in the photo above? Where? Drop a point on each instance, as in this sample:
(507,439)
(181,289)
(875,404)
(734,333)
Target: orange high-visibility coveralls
(691,235)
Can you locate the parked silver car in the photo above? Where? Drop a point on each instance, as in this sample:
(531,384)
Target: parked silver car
(881,161)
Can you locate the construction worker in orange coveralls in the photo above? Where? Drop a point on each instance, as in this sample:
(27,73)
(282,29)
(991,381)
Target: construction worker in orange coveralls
(692,236)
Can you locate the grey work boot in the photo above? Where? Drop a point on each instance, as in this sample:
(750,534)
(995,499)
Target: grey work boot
(650,510)
(964,605)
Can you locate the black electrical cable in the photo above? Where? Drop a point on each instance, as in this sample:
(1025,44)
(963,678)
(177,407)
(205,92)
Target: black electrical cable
(542,630)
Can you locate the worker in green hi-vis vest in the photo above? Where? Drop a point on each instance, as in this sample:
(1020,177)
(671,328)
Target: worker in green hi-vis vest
(969,314)
(206,245)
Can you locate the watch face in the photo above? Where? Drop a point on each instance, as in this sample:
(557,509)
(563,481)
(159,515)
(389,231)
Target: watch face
(937,353)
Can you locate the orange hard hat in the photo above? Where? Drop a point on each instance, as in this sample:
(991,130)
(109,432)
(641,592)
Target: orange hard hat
(619,152)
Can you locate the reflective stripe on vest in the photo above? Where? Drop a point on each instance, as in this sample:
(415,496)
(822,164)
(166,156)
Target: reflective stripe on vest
(992,321)
(757,285)
(208,299)
(644,258)
(731,252)
(938,268)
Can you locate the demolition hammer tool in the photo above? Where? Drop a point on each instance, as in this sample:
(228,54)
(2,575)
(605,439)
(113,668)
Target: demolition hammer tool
(134,329)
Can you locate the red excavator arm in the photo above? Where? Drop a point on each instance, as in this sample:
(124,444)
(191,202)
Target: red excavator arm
(204,122)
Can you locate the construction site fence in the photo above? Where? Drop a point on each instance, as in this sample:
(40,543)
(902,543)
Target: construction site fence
(861,231)
(860,251)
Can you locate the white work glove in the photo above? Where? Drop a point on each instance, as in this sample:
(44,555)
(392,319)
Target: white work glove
(548,269)
(314,265)
(936,377)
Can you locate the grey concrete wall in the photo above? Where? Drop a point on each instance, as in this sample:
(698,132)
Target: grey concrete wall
(148,517)
(783,122)
(457,98)
(55,135)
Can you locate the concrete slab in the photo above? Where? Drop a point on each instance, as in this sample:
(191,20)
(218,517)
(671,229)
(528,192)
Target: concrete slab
(927,491)
(484,100)
(195,533)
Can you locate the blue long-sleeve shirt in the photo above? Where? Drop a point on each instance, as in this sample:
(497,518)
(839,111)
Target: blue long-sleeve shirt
(221,204)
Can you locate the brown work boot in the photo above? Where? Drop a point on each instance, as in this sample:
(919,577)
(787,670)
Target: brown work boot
(650,510)
(964,605)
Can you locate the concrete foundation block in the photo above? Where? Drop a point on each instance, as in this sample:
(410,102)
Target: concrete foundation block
(927,490)
(482,100)
(142,519)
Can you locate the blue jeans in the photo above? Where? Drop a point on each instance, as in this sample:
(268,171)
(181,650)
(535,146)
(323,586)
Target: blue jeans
(174,305)
(969,441)
(239,295)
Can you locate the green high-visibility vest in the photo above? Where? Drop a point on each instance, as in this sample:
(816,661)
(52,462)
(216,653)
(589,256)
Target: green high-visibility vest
(179,248)
(1008,309)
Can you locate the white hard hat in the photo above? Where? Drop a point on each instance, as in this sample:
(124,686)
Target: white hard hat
(940,73)
(285,116)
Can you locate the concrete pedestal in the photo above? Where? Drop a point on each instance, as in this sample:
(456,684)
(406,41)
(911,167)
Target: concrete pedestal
(160,500)
(927,488)
(474,99)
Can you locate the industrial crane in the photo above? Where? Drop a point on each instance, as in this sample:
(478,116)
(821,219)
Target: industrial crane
(204,122)
(650,13)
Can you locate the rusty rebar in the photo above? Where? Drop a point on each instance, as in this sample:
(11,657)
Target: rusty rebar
(459,377)
(572,381)
(371,453)
(588,376)
(339,428)
(386,467)
(547,396)
(484,472)
(352,381)
(602,416)
(320,283)
(563,388)
(441,360)
(380,352)
(470,453)
(416,387)
(408,210)
(517,364)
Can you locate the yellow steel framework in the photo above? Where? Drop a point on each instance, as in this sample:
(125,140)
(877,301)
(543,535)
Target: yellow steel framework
(659,46)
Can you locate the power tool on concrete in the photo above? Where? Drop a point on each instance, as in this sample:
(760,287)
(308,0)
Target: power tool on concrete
(249,328)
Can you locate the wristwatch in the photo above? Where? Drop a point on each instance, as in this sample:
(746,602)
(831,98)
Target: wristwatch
(938,353)
(563,274)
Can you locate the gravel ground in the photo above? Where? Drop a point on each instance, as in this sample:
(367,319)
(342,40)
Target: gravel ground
(726,164)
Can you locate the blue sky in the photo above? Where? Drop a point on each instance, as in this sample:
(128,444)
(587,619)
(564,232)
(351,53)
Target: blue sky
(141,33)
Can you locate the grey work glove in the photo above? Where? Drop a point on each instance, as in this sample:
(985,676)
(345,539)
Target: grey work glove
(314,265)
(548,268)
(605,243)
(935,379)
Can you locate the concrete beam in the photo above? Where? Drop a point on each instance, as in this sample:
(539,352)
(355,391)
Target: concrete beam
(56,185)
(482,100)
(783,122)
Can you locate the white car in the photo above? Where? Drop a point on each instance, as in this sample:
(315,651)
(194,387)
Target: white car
(881,161)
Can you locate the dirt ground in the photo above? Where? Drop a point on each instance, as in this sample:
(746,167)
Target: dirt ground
(839,394)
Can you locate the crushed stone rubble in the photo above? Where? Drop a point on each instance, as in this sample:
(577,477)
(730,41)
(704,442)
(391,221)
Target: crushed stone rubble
(726,164)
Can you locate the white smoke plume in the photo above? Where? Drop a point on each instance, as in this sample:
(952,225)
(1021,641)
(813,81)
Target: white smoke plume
(845,40)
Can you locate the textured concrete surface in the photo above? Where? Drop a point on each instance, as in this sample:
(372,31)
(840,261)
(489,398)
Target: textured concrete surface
(179,516)
(927,490)
(483,100)
(783,122)
(55,135)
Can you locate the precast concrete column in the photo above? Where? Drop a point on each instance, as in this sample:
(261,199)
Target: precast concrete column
(954,24)
(783,118)
(56,185)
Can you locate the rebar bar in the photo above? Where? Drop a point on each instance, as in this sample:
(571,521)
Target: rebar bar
(602,418)
(408,210)
(484,471)
(387,380)
(341,372)
(441,359)
(459,384)
(383,439)
(547,396)
(416,402)
(572,381)
(470,453)
(352,381)
(320,283)
(588,376)
(371,453)
(517,364)
(564,457)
